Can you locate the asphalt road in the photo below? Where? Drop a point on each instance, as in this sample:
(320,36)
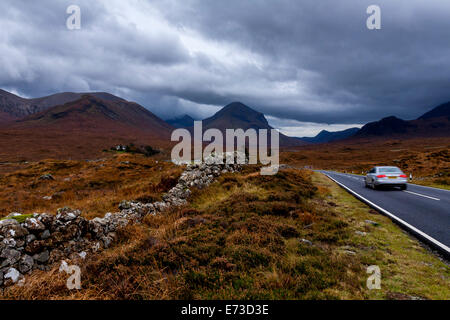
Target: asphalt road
(425,209)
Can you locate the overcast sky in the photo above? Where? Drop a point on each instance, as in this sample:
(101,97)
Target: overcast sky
(307,65)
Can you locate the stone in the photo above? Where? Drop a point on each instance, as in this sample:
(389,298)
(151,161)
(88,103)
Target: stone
(7,223)
(30,238)
(107,241)
(372,222)
(15,231)
(26,264)
(13,275)
(35,246)
(34,224)
(67,214)
(82,255)
(42,257)
(306,242)
(46,219)
(360,233)
(124,205)
(46,177)
(45,235)
(9,242)
(11,256)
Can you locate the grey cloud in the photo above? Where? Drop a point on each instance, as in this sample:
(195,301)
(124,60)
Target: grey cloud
(312,61)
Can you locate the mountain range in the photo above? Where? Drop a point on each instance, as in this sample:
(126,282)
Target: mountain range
(327,136)
(74,124)
(80,128)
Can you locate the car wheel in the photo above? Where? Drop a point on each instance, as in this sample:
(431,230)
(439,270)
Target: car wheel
(404,187)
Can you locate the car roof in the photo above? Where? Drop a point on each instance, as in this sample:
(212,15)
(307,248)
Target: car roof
(387,167)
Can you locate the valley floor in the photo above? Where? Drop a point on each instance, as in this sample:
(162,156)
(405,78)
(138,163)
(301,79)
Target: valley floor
(295,235)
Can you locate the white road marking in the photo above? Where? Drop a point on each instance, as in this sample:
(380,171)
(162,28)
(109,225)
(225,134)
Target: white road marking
(405,224)
(422,195)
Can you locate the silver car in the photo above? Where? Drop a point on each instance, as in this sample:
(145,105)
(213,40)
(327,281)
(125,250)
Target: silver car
(386,176)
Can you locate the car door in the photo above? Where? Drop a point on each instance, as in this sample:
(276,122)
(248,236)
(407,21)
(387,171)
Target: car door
(371,175)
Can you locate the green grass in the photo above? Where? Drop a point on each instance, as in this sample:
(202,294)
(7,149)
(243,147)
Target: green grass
(20,219)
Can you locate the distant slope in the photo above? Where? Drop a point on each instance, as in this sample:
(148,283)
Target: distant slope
(17,107)
(237,115)
(386,126)
(435,123)
(327,136)
(185,121)
(94,113)
(82,129)
(442,110)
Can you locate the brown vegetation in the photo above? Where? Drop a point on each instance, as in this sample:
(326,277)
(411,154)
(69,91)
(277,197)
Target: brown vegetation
(427,159)
(95,187)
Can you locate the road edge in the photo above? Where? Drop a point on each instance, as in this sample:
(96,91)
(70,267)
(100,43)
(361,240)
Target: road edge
(440,247)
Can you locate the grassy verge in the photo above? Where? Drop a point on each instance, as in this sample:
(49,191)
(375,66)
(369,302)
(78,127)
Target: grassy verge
(288,236)
(408,270)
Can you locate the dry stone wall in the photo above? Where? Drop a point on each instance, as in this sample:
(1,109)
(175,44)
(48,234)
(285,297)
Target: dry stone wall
(38,241)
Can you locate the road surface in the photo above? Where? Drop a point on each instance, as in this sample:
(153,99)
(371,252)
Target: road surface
(422,210)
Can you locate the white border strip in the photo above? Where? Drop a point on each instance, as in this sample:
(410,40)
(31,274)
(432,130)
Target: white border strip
(405,224)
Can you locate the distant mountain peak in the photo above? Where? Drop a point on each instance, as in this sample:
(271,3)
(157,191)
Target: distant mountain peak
(328,136)
(184,121)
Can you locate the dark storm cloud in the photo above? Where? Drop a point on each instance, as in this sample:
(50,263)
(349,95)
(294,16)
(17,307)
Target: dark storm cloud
(307,60)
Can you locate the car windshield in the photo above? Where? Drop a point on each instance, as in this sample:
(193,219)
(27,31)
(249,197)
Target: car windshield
(389,170)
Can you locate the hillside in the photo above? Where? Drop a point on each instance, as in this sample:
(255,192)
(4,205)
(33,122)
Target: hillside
(81,129)
(237,115)
(435,123)
(17,107)
(327,136)
(442,110)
